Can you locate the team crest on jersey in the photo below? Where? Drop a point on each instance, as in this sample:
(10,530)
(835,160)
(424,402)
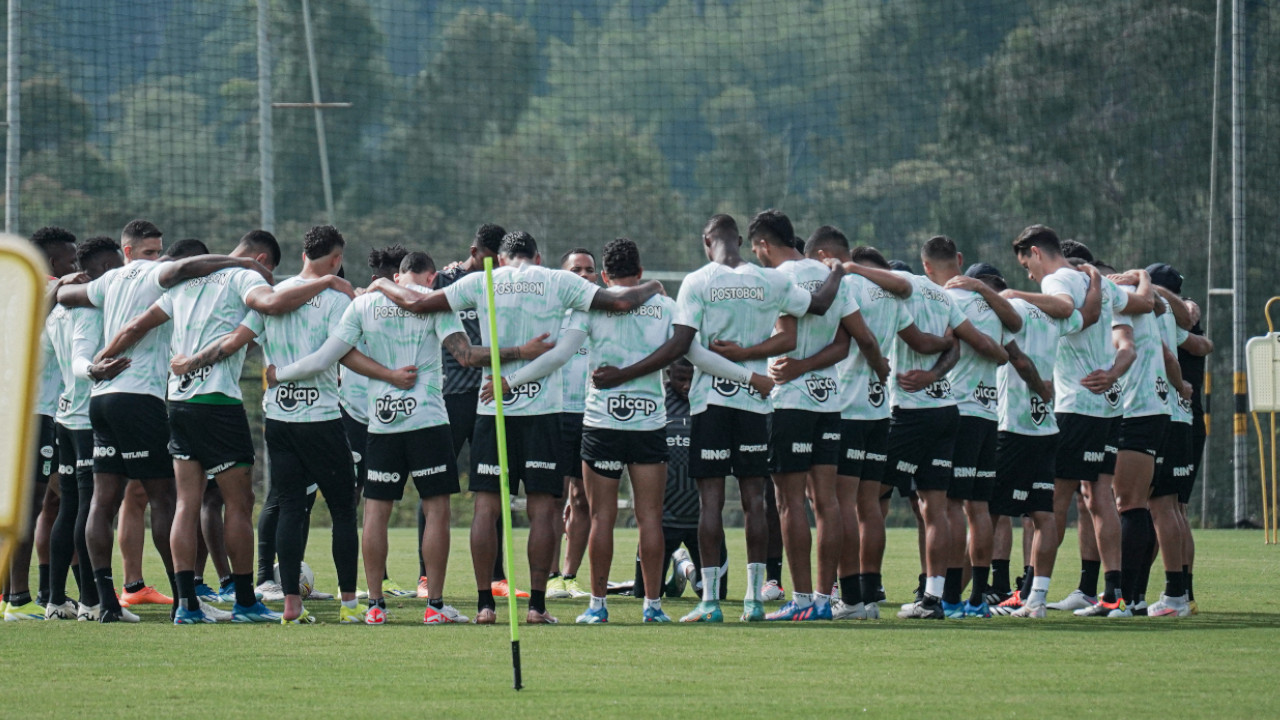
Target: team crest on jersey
(985,395)
(291,395)
(388,408)
(529,390)
(1184,404)
(820,388)
(1112,395)
(187,381)
(1162,389)
(875,393)
(624,408)
(64,405)
(939,390)
(1039,410)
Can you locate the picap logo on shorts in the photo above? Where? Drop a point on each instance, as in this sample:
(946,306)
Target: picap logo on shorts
(624,408)
(820,388)
(1112,395)
(388,408)
(1162,389)
(1039,410)
(529,390)
(875,393)
(729,388)
(187,381)
(290,395)
(939,390)
(985,395)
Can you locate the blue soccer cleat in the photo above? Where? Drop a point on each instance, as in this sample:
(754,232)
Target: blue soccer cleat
(706,611)
(184,616)
(981,610)
(788,611)
(655,615)
(953,611)
(594,616)
(256,613)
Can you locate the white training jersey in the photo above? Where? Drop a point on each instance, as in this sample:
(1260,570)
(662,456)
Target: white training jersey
(864,396)
(1089,350)
(934,312)
(619,340)
(973,379)
(574,373)
(1145,389)
(122,294)
(1173,336)
(204,309)
(817,391)
(74,332)
(353,391)
(287,338)
(1022,411)
(397,338)
(50,387)
(739,304)
(530,301)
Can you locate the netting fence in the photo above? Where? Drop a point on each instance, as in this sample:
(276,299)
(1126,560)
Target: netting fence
(582,120)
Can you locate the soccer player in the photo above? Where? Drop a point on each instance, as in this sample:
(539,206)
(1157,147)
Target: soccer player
(532,300)
(922,431)
(75,335)
(209,431)
(805,436)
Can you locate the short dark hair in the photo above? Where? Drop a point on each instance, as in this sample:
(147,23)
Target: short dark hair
(137,230)
(1074,249)
(387,259)
(489,237)
(262,241)
(94,246)
(48,238)
(1103,267)
(1076,262)
(995,282)
(939,248)
(825,238)
(417,262)
(867,255)
(722,225)
(773,226)
(622,258)
(519,243)
(187,247)
(1040,236)
(321,240)
(577,251)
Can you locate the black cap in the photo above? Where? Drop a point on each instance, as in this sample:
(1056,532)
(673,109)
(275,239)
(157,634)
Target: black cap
(1165,276)
(979,269)
(899,266)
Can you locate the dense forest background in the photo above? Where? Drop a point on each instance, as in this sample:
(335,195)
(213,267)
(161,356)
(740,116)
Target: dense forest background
(582,120)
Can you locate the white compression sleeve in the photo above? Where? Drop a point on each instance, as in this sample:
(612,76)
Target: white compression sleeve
(315,363)
(717,365)
(550,361)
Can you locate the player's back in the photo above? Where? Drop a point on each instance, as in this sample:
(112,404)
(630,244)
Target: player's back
(204,309)
(739,304)
(123,293)
(619,339)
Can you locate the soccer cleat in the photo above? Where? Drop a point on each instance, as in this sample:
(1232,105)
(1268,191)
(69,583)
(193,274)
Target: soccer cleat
(841,611)
(442,616)
(922,611)
(1031,610)
(486,616)
(571,586)
(593,616)
(981,610)
(953,611)
(217,614)
(317,595)
(680,564)
(1140,607)
(306,618)
(269,591)
(1009,606)
(1075,601)
(207,594)
(872,610)
(375,616)
(21,613)
(1170,607)
(86,613)
(184,616)
(706,611)
(110,616)
(539,618)
(351,616)
(752,611)
(500,588)
(772,592)
(65,611)
(654,615)
(256,613)
(788,611)
(995,598)
(1121,612)
(392,588)
(146,596)
(423,593)
(4,607)
(1102,608)
(822,611)
(556,589)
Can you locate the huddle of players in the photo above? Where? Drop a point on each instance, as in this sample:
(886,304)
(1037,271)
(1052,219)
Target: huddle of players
(834,425)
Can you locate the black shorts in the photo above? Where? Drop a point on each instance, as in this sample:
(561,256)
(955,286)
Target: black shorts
(1082,446)
(461,408)
(727,441)
(571,456)
(130,435)
(862,449)
(311,453)
(1175,466)
(533,444)
(921,442)
(75,457)
(46,449)
(1024,474)
(425,454)
(358,441)
(1143,434)
(216,436)
(1112,448)
(608,451)
(800,439)
(973,464)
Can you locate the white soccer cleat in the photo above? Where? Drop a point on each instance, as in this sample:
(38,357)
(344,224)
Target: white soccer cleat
(1170,607)
(317,595)
(65,611)
(270,592)
(841,611)
(215,614)
(772,592)
(872,610)
(1075,601)
(85,613)
(1031,610)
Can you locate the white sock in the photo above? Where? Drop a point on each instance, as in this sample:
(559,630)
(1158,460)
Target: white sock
(710,584)
(755,581)
(655,603)
(819,599)
(1039,590)
(349,604)
(933,585)
(597,603)
(802,600)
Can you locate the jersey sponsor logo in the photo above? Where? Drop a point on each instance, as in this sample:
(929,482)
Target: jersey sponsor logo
(469,314)
(383,312)
(624,408)
(931,294)
(820,388)
(729,388)
(939,390)
(875,393)
(649,311)
(1112,395)
(387,408)
(313,302)
(611,465)
(214,279)
(583,350)
(1037,313)
(678,441)
(137,455)
(488,469)
(290,395)
(1162,389)
(186,382)
(520,287)
(810,285)
(740,292)
(1094,457)
(802,448)
(379,476)
(1039,410)
(715,454)
(985,395)
(104,451)
(529,390)
(427,472)
(980,306)
(875,292)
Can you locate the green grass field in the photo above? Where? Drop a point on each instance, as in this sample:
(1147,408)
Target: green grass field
(1222,662)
